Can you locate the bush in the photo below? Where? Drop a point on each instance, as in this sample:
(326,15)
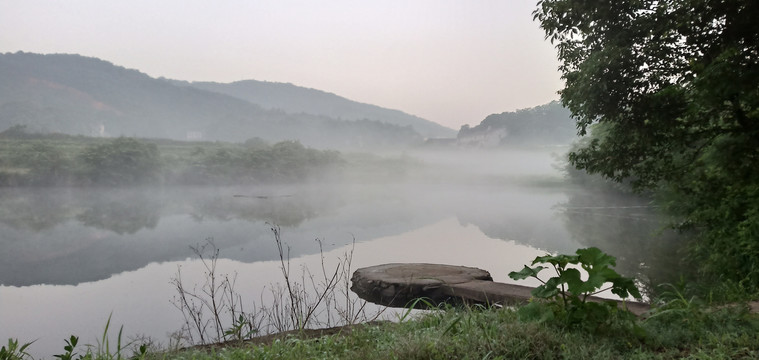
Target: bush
(121,161)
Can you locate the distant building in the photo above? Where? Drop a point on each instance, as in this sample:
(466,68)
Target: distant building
(487,137)
(98,130)
(194,135)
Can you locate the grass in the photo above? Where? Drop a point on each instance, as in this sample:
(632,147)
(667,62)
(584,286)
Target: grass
(680,328)
(479,333)
(681,325)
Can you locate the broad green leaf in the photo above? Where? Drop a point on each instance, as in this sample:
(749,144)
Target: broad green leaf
(547,290)
(623,287)
(526,272)
(571,277)
(560,260)
(593,283)
(608,273)
(594,257)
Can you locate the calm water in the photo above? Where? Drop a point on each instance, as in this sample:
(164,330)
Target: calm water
(72,257)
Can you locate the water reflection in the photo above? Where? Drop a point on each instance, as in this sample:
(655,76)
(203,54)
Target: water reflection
(120,247)
(33,210)
(70,236)
(91,234)
(628,227)
(140,300)
(125,216)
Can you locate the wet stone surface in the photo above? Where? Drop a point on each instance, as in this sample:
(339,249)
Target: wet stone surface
(397,285)
(400,285)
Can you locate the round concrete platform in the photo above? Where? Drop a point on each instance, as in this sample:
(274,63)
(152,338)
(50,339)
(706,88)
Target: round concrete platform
(397,285)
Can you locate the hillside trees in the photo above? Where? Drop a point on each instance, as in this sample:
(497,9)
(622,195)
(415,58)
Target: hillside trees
(668,92)
(542,125)
(56,159)
(121,161)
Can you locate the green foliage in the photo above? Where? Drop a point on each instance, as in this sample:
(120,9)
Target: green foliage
(69,350)
(242,328)
(103,349)
(569,295)
(542,125)
(13,351)
(683,317)
(490,333)
(667,91)
(46,164)
(17,131)
(257,162)
(494,333)
(69,160)
(121,161)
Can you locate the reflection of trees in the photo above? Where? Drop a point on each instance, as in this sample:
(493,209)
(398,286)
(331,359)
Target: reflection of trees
(523,215)
(32,210)
(627,227)
(126,211)
(529,228)
(283,210)
(46,230)
(122,217)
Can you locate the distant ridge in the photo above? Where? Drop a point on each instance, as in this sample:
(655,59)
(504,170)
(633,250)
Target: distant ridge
(73,94)
(543,125)
(295,99)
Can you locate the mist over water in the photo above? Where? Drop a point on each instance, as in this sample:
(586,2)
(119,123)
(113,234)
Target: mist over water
(72,256)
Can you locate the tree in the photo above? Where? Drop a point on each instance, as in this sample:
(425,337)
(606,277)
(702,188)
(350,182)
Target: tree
(121,161)
(666,94)
(46,164)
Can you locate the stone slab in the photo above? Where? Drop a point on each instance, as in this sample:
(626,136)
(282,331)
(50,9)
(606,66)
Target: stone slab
(399,285)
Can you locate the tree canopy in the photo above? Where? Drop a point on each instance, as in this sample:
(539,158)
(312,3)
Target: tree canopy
(666,95)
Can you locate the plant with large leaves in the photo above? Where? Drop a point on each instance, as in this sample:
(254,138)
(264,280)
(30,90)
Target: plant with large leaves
(569,295)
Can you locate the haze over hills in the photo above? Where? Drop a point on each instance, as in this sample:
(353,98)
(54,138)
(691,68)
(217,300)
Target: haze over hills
(295,99)
(73,94)
(78,95)
(544,125)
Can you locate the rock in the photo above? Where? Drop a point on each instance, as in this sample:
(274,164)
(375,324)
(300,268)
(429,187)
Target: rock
(397,285)
(400,285)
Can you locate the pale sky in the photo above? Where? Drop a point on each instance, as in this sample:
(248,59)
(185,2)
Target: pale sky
(452,62)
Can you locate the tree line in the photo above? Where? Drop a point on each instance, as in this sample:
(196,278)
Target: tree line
(124,161)
(665,95)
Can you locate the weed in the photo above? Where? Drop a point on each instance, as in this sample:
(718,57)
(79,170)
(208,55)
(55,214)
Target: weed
(569,297)
(215,313)
(216,296)
(422,302)
(13,351)
(240,329)
(101,351)
(69,348)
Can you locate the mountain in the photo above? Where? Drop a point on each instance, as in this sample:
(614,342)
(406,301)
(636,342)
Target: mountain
(544,125)
(73,94)
(295,99)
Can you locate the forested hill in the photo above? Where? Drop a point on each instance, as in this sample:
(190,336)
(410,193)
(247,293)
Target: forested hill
(547,124)
(295,99)
(73,94)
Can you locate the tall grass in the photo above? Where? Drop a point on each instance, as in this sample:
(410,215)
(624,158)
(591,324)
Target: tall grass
(497,333)
(215,312)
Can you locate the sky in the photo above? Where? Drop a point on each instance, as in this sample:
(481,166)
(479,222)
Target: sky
(451,62)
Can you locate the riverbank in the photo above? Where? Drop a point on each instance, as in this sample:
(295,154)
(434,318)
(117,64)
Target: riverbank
(679,331)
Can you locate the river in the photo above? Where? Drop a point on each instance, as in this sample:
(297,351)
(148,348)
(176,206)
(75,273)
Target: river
(72,257)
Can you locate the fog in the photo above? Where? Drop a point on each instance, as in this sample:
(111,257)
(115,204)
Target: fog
(93,251)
